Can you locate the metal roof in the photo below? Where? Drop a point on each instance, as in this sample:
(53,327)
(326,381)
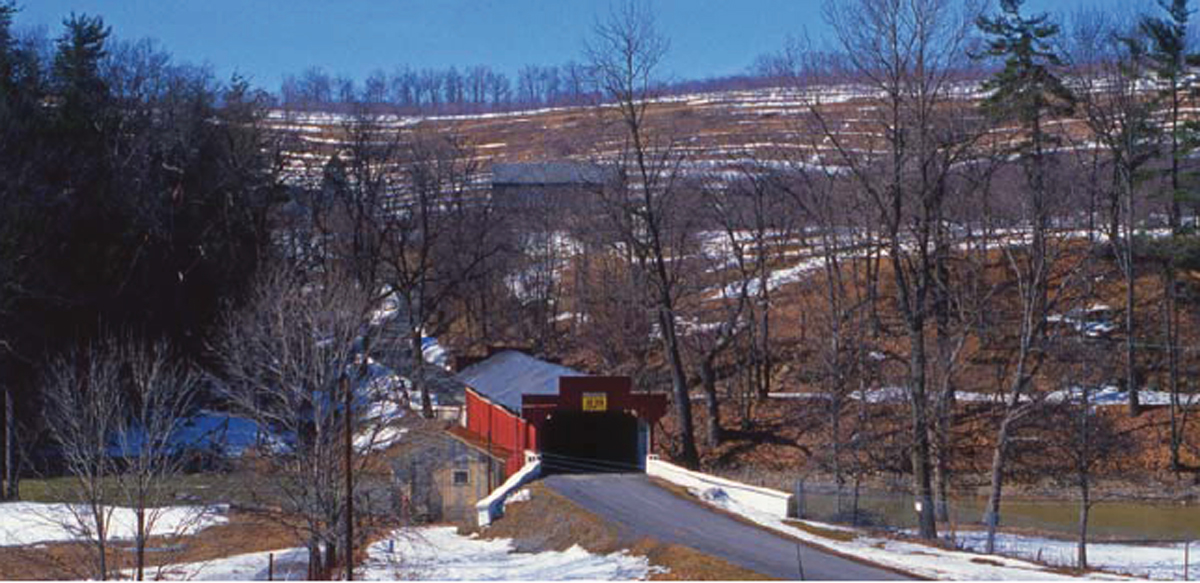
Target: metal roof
(507,375)
(541,173)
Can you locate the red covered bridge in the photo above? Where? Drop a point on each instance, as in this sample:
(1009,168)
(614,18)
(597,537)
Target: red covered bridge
(577,422)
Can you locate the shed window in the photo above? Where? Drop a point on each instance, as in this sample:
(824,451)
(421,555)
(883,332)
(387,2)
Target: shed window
(462,477)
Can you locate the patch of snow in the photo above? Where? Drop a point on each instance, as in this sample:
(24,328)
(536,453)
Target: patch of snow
(26,523)
(778,278)
(522,495)
(440,553)
(289,565)
(1098,396)
(434,353)
(1111,396)
(1151,561)
(432,553)
(379,439)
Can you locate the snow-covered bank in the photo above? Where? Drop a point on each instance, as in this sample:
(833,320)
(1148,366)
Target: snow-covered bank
(911,557)
(432,553)
(440,553)
(26,523)
(1151,561)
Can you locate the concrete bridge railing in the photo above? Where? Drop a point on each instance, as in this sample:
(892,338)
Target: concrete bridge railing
(492,507)
(774,502)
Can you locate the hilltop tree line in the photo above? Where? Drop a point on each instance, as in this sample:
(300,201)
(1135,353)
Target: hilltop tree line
(481,88)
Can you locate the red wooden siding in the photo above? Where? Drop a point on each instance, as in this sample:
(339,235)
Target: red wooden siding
(495,424)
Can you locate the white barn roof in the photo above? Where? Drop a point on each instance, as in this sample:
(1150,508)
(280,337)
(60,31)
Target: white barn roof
(507,375)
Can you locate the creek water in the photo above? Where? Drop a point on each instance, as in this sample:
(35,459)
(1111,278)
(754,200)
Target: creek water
(1109,520)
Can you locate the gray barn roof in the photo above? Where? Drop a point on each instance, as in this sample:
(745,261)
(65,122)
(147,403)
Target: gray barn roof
(507,375)
(560,173)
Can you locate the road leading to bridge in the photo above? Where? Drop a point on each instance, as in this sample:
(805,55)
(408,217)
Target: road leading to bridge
(641,509)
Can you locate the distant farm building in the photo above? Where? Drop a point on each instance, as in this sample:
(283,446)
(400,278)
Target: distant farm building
(577,422)
(553,185)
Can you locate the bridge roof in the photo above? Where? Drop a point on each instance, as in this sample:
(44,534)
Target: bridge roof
(507,375)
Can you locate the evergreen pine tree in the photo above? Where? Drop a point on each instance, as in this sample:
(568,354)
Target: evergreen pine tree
(1170,61)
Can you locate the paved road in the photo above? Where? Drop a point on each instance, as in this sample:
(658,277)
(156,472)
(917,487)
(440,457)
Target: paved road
(641,509)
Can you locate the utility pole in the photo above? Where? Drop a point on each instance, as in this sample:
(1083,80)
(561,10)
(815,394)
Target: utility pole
(348,423)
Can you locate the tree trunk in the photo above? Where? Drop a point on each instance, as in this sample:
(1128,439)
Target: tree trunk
(101,540)
(10,491)
(1085,504)
(141,542)
(418,376)
(942,470)
(835,435)
(945,371)
(330,563)
(766,351)
(991,513)
(314,560)
(1131,380)
(1170,325)
(708,378)
(922,482)
(683,404)
(348,416)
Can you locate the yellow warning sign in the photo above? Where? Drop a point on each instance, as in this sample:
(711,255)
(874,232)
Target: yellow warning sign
(595,401)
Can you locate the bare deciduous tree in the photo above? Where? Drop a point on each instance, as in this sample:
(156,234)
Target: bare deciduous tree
(84,411)
(625,52)
(290,360)
(159,397)
(907,54)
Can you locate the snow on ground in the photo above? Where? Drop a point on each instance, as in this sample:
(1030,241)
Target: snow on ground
(777,279)
(880,395)
(289,565)
(379,438)
(440,553)
(1111,395)
(433,553)
(912,557)
(25,523)
(1106,396)
(434,352)
(1152,561)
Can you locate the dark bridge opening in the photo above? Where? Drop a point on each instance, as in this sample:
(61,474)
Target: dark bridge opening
(591,442)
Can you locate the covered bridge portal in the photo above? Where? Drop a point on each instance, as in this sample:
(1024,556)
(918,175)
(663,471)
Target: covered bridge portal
(577,422)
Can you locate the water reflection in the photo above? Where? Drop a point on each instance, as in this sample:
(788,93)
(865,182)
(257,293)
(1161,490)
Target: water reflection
(1122,520)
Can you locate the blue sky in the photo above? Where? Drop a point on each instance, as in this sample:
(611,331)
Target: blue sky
(270,38)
